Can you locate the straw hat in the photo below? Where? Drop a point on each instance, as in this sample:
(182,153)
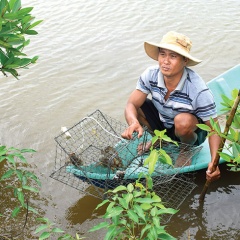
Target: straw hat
(173,41)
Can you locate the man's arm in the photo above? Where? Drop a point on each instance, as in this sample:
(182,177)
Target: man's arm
(134,102)
(214,142)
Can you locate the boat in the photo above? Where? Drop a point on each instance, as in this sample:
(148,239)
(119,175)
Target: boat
(132,164)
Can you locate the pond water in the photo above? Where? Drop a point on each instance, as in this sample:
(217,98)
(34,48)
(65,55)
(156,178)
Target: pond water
(91,55)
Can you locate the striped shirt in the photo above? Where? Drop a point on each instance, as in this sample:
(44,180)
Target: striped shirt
(190,96)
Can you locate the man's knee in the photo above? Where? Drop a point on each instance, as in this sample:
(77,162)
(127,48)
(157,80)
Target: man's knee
(185,123)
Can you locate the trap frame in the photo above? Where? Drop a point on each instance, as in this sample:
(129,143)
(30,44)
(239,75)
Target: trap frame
(92,158)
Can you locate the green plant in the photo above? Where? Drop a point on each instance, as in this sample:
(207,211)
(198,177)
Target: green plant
(158,154)
(48,230)
(135,210)
(25,179)
(231,153)
(15,22)
(228,103)
(22,182)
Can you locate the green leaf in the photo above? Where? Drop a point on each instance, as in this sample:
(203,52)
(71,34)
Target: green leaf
(153,211)
(32,189)
(156,221)
(27,150)
(22,158)
(167,210)
(146,206)
(33,177)
(225,156)
(164,157)
(151,160)
(217,127)
(146,228)
(31,209)
(45,220)
(35,24)
(236,149)
(34,59)
(19,174)
(132,215)
(139,212)
(234,93)
(24,62)
(27,19)
(99,226)
(102,203)
(7,174)
(40,228)
(114,212)
(204,127)
(57,230)
(20,196)
(24,11)
(160,134)
(128,197)
(119,188)
(12,71)
(166,236)
(110,233)
(110,206)
(156,198)
(119,231)
(159,205)
(31,32)
(153,232)
(130,187)
(3,151)
(136,194)
(139,185)
(143,200)
(15,211)
(115,220)
(167,139)
(154,139)
(44,235)
(123,203)
(15,5)
(4,44)
(10,159)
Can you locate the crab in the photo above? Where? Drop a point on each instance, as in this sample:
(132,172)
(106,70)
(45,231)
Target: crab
(76,161)
(110,158)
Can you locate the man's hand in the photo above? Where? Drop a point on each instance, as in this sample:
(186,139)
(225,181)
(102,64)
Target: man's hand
(212,175)
(134,127)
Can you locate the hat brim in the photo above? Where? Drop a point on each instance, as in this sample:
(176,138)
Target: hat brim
(152,51)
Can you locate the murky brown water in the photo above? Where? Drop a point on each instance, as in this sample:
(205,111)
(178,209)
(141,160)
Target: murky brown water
(91,55)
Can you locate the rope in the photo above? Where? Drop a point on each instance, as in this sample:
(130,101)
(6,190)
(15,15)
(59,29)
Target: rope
(114,135)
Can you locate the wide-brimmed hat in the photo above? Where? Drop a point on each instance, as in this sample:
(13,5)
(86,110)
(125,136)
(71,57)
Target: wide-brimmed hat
(175,42)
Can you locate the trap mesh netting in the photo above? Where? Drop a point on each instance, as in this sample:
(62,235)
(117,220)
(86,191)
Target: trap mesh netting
(93,158)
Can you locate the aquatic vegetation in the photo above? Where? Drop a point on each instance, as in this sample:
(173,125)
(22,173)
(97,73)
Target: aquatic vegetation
(231,153)
(135,211)
(15,23)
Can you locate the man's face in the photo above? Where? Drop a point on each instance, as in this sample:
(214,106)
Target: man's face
(171,63)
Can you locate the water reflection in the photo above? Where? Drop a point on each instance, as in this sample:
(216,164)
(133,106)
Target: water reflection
(84,209)
(218,217)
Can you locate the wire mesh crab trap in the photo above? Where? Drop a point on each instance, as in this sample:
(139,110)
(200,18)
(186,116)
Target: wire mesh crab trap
(93,158)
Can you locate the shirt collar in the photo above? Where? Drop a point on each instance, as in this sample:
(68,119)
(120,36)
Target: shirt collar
(179,87)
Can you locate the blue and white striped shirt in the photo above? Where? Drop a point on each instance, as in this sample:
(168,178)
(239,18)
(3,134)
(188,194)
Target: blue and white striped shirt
(191,95)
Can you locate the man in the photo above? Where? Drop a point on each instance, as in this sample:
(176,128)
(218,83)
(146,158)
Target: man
(179,100)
